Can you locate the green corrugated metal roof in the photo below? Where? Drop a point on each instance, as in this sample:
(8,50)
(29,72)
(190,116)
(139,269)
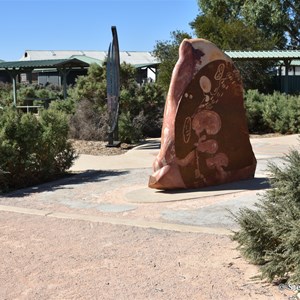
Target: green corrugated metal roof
(145,65)
(30,63)
(276,54)
(85,61)
(37,64)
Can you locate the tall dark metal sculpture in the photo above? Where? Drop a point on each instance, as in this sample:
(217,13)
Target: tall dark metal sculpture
(113,88)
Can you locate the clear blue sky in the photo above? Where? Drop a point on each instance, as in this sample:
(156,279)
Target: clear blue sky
(86,24)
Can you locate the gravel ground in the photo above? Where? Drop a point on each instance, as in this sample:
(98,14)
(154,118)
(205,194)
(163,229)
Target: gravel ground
(98,148)
(48,258)
(43,257)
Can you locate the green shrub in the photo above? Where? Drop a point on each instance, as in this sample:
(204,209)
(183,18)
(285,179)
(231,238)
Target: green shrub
(33,150)
(140,107)
(86,105)
(272,113)
(66,105)
(275,113)
(141,112)
(254,109)
(269,235)
(89,122)
(130,128)
(293,108)
(153,101)
(29,92)
(6,97)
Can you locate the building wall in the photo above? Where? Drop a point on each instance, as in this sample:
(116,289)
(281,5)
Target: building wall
(293,84)
(4,77)
(45,78)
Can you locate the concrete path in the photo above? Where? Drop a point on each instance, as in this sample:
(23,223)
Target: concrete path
(113,189)
(102,234)
(143,155)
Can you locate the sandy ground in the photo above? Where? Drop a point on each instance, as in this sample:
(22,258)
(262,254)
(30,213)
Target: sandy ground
(49,258)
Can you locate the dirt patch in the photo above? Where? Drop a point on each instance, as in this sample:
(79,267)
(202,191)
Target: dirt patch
(99,147)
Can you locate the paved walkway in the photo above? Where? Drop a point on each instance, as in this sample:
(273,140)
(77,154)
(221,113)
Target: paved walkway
(143,156)
(102,234)
(113,189)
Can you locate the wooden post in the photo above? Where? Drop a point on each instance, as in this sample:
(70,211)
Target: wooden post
(64,73)
(286,77)
(14,80)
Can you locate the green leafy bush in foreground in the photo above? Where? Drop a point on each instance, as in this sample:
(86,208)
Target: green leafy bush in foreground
(270,235)
(33,149)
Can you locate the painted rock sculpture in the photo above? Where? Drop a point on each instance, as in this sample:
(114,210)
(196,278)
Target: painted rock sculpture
(205,139)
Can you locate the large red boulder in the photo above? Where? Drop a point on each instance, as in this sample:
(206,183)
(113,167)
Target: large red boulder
(205,139)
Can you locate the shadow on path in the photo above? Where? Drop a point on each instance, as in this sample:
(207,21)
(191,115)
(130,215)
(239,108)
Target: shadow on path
(66,182)
(149,145)
(249,184)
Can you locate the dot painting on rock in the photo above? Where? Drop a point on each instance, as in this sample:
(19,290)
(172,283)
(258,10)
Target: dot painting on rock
(205,139)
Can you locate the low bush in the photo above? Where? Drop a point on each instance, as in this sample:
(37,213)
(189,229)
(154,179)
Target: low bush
(88,122)
(130,128)
(140,107)
(33,149)
(6,95)
(269,234)
(254,102)
(272,113)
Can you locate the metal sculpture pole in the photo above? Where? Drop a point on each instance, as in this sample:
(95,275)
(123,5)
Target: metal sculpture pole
(113,88)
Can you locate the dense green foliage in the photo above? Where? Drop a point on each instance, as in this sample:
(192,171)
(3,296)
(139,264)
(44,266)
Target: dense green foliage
(26,93)
(33,149)
(5,94)
(239,25)
(141,107)
(272,112)
(253,24)
(167,53)
(269,234)
(277,19)
(250,25)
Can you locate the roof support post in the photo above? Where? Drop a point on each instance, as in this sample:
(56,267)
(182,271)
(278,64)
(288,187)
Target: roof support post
(64,73)
(29,77)
(14,78)
(13,74)
(286,76)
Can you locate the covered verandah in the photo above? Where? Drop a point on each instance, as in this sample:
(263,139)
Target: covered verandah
(63,66)
(284,58)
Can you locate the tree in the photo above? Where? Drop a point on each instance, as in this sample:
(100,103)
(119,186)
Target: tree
(167,52)
(231,34)
(279,19)
(245,25)
(276,21)
(239,25)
